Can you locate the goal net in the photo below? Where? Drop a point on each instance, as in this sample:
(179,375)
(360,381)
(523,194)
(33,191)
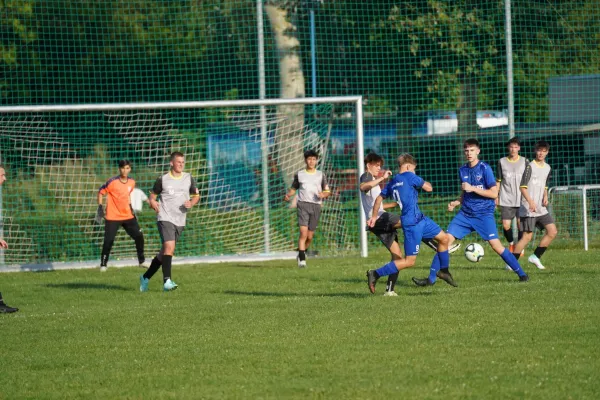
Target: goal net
(243,155)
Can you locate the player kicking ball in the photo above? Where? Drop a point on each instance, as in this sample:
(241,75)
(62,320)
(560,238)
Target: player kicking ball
(416,226)
(534,203)
(477,203)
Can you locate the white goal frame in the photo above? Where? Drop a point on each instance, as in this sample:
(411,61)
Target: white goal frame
(583,189)
(262,103)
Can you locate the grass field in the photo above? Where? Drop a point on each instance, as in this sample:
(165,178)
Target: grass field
(273,331)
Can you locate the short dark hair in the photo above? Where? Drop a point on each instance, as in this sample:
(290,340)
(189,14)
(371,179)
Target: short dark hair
(471,142)
(542,144)
(514,140)
(406,158)
(124,163)
(373,158)
(176,154)
(310,153)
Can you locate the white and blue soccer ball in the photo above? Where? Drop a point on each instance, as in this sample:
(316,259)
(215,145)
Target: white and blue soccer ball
(474,252)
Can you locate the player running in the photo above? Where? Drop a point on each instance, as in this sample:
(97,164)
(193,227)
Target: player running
(533,211)
(178,194)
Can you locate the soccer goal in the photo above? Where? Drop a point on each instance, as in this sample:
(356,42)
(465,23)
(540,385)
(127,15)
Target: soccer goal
(576,210)
(243,154)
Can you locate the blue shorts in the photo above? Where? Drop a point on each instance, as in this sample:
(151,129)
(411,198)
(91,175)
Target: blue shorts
(425,229)
(484,225)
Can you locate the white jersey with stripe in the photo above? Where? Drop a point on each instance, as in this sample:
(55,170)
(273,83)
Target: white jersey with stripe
(535,179)
(309,185)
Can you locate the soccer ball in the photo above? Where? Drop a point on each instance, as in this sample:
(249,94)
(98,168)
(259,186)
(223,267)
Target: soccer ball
(474,252)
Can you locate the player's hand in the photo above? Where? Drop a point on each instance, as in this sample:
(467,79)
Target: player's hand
(467,187)
(99,214)
(371,222)
(453,204)
(387,174)
(188,204)
(545,202)
(286,197)
(532,206)
(154,205)
(3,244)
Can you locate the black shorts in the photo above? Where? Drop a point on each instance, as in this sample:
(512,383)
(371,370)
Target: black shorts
(385,229)
(508,213)
(308,214)
(168,231)
(111,227)
(528,224)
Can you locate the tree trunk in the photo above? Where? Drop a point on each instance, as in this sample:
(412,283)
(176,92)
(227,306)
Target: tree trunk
(467,106)
(289,137)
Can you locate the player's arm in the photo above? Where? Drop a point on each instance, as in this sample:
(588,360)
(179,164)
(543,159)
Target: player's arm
(3,244)
(156,190)
(366,186)
(523,188)
(325,191)
(292,190)
(376,205)
(545,199)
(499,180)
(488,181)
(194,195)
(427,187)
(455,203)
(387,206)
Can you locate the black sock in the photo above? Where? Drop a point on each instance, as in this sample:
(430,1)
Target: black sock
(539,252)
(432,244)
(154,266)
(517,255)
(166,264)
(103,260)
(520,235)
(508,234)
(391,282)
(302,255)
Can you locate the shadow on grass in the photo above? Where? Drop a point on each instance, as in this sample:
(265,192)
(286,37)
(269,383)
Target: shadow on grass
(289,294)
(380,282)
(87,285)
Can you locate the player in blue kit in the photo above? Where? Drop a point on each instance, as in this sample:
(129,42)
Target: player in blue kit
(416,226)
(479,191)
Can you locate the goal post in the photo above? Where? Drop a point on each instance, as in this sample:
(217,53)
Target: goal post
(576,210)
(243,153)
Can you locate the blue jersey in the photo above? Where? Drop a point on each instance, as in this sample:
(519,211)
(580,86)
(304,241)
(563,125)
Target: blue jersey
(403,188)
(482,177)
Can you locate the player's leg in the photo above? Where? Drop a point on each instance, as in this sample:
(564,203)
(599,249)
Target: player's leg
(303,220)
(441,258)
(547,222)
(485,226)
(412,240)
(313,221)
(386,230)
(110,233)
(133,230)
(526,227)
(459,227)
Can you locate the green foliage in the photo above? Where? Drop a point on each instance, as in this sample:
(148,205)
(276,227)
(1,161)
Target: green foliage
(269,330)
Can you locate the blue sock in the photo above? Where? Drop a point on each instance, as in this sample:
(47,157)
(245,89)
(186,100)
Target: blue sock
(440,260)
(387,269)
(435,267)
(512,262)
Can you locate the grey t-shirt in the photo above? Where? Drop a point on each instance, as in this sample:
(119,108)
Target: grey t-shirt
(535,178)
(173,192)
(368,197)
(509,175)
(309,185)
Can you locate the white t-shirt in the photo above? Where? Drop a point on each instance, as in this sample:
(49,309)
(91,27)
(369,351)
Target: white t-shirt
(368,198)
(138,197)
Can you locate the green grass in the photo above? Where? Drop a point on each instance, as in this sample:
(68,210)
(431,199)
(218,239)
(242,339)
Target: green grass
(273,331)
